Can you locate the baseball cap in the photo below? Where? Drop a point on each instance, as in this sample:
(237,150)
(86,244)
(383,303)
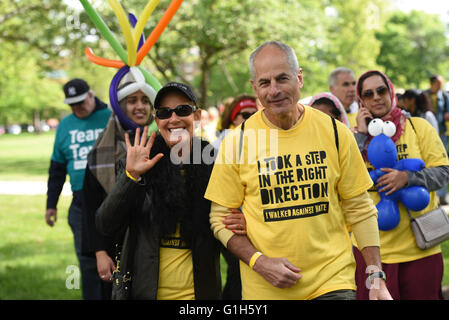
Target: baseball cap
(76,90)
(174,86)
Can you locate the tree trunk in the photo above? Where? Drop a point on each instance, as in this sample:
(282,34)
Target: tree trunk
(36,121)
(205,78)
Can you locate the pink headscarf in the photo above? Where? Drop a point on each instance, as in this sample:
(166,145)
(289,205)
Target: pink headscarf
(343,117)
(395,114)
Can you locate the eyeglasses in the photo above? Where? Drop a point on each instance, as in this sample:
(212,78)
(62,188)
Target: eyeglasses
(183,110)
(246,115)
(369,94)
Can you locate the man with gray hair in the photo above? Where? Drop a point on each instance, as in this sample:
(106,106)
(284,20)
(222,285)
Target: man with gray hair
(299,200)
(342,85)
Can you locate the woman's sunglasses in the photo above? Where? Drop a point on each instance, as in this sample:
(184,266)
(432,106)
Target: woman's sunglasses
(246,115)
(182,110)
(369,94)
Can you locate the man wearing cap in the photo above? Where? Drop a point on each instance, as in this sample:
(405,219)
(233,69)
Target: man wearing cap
(75,136)
(159,201)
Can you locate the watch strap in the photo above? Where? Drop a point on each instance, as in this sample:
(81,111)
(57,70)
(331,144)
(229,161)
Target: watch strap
(379,274)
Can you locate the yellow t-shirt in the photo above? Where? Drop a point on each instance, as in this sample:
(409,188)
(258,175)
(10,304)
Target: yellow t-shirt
(352,118)
(288,185)
(175,270)
(434,99)
(398,245)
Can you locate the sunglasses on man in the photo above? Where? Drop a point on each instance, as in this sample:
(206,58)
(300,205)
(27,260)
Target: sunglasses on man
(369,94)
(182,110)
(246,115)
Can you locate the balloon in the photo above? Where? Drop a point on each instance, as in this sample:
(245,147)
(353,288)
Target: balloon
(102,61)
(134,45)
(126,29)
(410,165)
(132,18)
(146,13)
(382,153)
(415,198)
(157,31)
(104,30)
(150,79)
(388,214)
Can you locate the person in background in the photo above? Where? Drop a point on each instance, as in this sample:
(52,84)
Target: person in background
(440,107)
(75,136)
(417,103)
(330,105)
(135,99)
(411,273)
(237,111)
(342,85)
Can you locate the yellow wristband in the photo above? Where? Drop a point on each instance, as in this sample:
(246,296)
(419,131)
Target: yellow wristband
(254,258)
(131,177)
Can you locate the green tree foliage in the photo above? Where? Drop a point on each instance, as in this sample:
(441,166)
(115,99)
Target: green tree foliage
(207,44)
(413,46)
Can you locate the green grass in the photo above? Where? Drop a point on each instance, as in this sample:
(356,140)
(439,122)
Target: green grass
(33,256)
(445,252)
(25,156)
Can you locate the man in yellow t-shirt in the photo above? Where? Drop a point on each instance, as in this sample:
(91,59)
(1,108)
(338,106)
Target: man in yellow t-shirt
(301,183)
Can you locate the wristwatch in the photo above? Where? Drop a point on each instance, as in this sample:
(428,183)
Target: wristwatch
(379,274)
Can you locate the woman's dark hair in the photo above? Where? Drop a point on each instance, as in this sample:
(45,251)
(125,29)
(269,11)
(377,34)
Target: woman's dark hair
(226,115)
(328,102)
(368,75)
(422,101)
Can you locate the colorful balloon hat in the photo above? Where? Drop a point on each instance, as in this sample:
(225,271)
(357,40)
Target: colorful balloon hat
(137,49)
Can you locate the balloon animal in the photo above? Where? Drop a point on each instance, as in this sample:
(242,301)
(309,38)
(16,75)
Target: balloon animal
(137,48)
(382,153)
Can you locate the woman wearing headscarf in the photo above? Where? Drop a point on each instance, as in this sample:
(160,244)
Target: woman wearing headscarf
(135,103)
(329,104)
(411,273)
(157,198)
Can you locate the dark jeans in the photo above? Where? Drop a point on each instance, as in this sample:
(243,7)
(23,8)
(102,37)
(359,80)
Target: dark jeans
(90,281)
(338,295)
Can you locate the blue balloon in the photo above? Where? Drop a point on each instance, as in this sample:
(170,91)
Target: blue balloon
(388,214)
(382,153)
(410,165)
(415,198)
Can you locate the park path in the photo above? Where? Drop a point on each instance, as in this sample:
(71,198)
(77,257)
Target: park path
(29,188)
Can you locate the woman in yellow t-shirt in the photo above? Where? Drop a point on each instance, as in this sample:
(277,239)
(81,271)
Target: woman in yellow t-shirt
(411,273)
(169,249)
